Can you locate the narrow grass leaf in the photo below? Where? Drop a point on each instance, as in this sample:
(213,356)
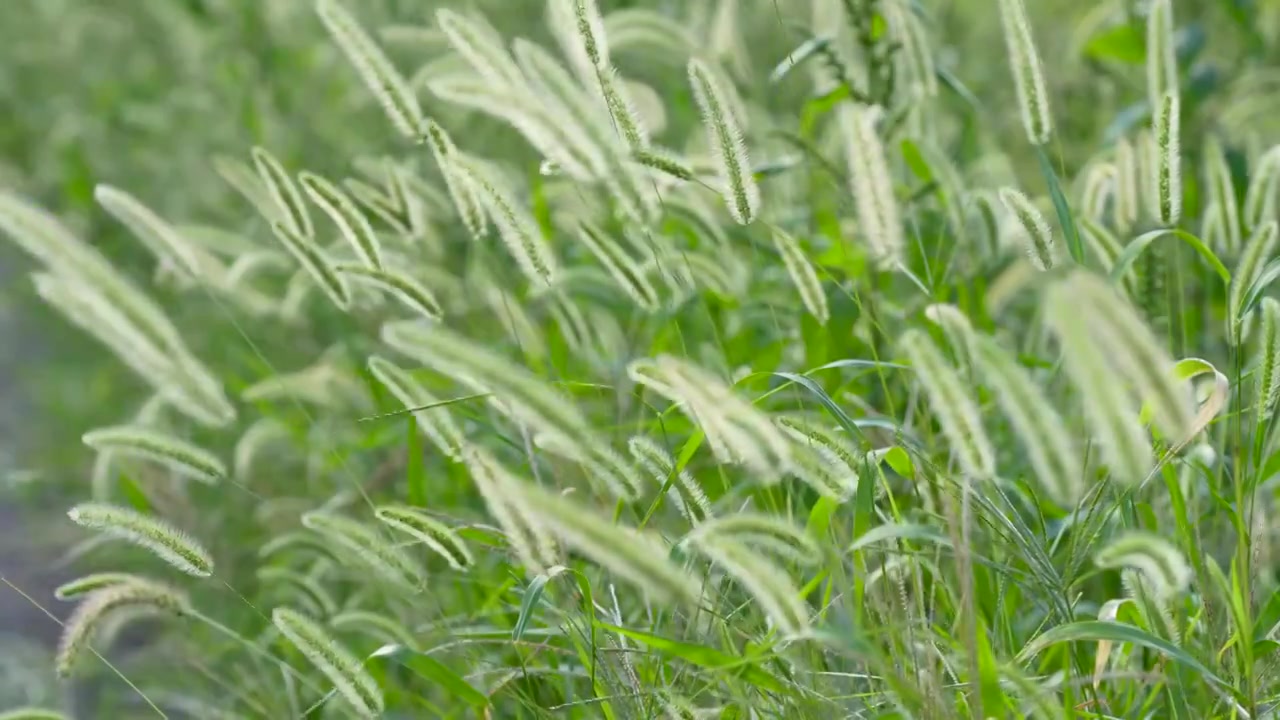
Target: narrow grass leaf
(1116,632)
(748,668)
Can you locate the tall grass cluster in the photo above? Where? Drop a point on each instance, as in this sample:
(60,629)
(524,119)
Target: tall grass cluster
(724,359)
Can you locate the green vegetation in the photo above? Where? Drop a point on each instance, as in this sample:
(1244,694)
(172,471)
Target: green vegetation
(587,359)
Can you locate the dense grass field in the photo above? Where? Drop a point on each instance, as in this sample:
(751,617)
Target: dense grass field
(579,359)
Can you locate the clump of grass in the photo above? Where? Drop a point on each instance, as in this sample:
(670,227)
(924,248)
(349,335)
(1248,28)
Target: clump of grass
(772,395)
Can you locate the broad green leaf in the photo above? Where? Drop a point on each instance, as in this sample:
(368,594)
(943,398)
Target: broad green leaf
(532,594)
(434,671)
(916,162)
(1061,207)
(415,466)
(1122,43)
(804,52)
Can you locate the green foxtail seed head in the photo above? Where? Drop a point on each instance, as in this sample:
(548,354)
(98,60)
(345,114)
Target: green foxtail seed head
(738,184)
(1220,191)
(736,430)
(766,534)
(631,555)
(1028,72)
(315,263)
(1128,185)
(366,545)
(243,178)
(81,586)
(663,163)
(821,459)
(1158,561)
(531,541)
(915,58)
(590,32)
(347,673)
(685,492)
(374,67)
(163,540)
(483,50)
(625,270)
(182,381)
(411,293)
(1264,183)
(99,607)
(1075,309)
(87,280)
(465,201)
(1041,430)
(524,397)
(519,231)
(1036,232)
(170,247)
(956,326)
(1100,190)
(178,455)
(879,218)
(283,191)
(1146,156)
(1168,160)
(766,582)
(1268,366)
(437,536)
(346,216)
(1252,261)
(956,412)
(803,276)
